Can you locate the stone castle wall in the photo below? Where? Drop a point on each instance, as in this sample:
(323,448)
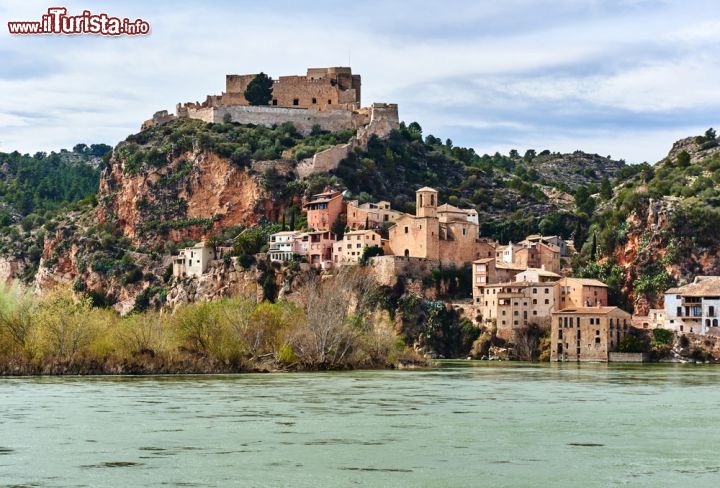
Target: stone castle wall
(388,268)
(324,161)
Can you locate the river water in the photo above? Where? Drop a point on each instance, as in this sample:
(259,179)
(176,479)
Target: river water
(463,424)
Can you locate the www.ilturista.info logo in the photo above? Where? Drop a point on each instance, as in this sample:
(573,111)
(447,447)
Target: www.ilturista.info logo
(57,21)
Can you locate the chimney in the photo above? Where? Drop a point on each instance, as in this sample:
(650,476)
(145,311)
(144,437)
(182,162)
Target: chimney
(542,267)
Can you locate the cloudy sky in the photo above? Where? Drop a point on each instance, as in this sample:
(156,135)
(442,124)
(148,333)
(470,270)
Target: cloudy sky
(619,77)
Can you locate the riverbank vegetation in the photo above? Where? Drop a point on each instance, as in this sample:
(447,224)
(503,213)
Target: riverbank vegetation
(336,324)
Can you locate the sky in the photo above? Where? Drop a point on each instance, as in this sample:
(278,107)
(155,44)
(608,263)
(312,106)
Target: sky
(624,78)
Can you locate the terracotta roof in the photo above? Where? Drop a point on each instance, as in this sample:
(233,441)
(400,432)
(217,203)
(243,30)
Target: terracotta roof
(588,282)
(590,310)
(483,260)
(702,286)
(542,272)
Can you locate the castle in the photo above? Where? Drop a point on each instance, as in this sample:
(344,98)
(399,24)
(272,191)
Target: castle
(326,97)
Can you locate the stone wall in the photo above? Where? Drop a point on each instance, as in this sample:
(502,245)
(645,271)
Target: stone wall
(303,119)
(324,161)
(388,268)
(627,357)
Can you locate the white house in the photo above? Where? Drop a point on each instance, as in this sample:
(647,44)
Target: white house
(193,261)
(694,308)
(282,245)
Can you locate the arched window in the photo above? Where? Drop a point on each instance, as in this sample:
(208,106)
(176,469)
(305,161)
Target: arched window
(715,322)
(407,253)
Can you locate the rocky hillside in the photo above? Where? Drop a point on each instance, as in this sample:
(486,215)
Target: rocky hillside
(660,227)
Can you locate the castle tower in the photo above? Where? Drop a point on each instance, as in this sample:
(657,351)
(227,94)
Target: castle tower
(426,202)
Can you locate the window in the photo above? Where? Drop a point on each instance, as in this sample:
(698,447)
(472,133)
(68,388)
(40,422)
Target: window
(597,340)
(547,290)
(547,302)
(274,102)
(534,290)
(560,334)
(296,101)
(314,100)
(407,229)
(534,301)
(329,102)
(464,231)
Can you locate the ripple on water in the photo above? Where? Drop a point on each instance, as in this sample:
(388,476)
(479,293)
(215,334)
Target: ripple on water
(113,464)
(4,451)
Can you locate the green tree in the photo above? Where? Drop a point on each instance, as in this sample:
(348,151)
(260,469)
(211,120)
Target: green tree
(683,159)
(259,90)
(605,188)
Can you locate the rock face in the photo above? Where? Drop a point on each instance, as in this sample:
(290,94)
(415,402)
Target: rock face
(193,193)
(576,169)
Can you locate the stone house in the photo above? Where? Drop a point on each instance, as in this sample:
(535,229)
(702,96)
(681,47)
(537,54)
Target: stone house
(282,246)
(582,292)
(324,209)
(514,306)
(489,271)
(350,248)
(370,215)
(695,307)
(193,261)
(530,255)
(556,241)
(587,333)
(655,319)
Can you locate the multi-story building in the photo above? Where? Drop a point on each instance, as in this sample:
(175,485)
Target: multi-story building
(530,255)
(350,248)
(370,215)
(324,209)
(556,241)
(695,307)
(193,261)
(316,246)
(282,245)
(537,275)
(587,333)
(490,271)
(514,306)
(582,292)
(450,238)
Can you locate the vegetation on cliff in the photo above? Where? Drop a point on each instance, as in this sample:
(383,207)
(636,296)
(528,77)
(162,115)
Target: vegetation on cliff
(659,224)
(336,325)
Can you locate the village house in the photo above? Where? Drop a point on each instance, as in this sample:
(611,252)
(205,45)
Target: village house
(488,271)
(324,209)
(282,246)
(537,275)
(582,292)
(370,215)
(350,248)
(695,307)
(655,319)
(556,241)
(193,261)
(587,333)
(514,306)
(450,237)
(316,247)
(530,255)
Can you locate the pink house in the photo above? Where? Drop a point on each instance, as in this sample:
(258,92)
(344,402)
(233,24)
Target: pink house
(316,246)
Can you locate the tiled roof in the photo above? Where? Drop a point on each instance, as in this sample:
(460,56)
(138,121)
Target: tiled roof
(703,286)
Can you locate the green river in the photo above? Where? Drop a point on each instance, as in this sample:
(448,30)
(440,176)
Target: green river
(465,424)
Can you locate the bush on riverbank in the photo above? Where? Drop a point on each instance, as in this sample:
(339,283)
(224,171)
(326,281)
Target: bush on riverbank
(337,326)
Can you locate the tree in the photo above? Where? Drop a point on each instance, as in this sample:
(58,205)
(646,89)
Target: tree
(605,188)
(683,159)
(338,228)
(529,155)
(710,134)
(415,127)
(593,248)
(369,252)
(259,90)
(292,219)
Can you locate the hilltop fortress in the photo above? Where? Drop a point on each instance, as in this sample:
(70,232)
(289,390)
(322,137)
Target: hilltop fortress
(327,97)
